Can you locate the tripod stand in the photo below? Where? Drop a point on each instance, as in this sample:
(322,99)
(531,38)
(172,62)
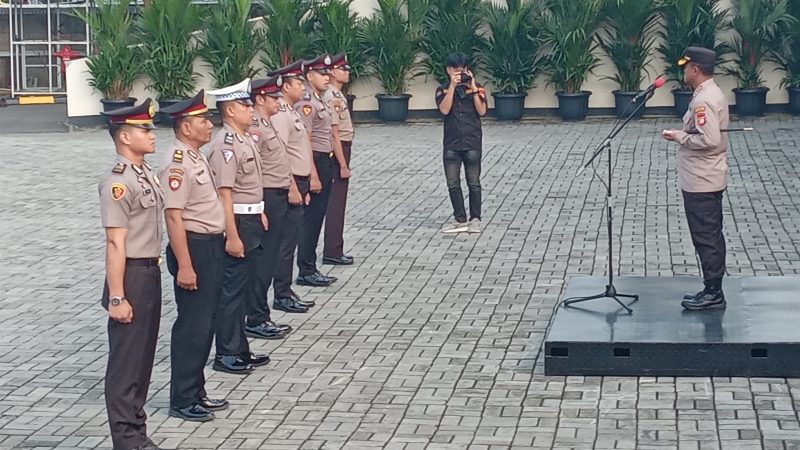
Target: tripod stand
(610,291)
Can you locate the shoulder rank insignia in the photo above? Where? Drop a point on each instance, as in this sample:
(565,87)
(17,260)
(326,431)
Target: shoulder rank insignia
(137,169)
(255,120)
(307,109)
(307,96)
(119,168)
(118,191)
(229,138)
(177,156)
(337,94)
(193,155)
(282,107)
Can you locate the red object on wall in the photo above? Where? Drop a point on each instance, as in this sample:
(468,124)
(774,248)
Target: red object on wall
(66,54)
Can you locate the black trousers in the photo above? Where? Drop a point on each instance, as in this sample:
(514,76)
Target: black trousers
(471,159)
(237,285)
(276,202)
(282,282)
(334,216)
(314,216)
(193,331)
(704,214)
(131,350)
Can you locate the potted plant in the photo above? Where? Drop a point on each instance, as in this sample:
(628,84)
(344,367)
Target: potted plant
(755,25)
(568,31)
(628,38)
(169,52)
(510,54)
(787,56)
(115,63)
(448,26)
(288,32)
(689,23)
(391,56)
(230,42)
(337,29)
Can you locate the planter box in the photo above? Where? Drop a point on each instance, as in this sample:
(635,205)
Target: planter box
(682,100)
(393,108)
(623,106)
(794,101)
(573,106)
(509,106)
(751,102)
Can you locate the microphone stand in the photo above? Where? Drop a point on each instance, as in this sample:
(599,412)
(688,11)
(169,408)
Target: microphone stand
(610,291)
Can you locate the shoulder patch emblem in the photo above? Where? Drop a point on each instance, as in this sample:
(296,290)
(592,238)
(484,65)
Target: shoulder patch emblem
(337,106)
(227,154)
(177,156)
(307,110)
(118,191)
(193,155)
(175,182)
(229,138)
(119,168)
(256,136)
(700,115)
(177,171)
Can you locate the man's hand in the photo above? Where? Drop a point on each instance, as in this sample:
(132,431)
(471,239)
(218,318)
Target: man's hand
(455,78)
(265,222)
(669,134)
(187,278)
(344,172)
(294,196)
(234,247)
(122,313)
(316,185)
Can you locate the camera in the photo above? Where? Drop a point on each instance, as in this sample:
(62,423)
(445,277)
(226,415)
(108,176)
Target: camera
(465,78)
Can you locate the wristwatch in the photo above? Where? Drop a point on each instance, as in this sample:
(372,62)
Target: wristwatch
(116,300)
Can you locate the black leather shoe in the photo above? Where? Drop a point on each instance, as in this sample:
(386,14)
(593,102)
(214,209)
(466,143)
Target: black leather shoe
(343,260)
(256,360)
(709,300)
(193,413)
(264,331)
(285,328)
(320,274)
(314,280)
(231,364)
(288,305)
(694,296)
(213,404)
(301,302)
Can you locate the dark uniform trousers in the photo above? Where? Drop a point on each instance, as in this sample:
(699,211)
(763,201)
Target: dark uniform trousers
(193,331)
(704,214)
(282,283)
(334,217)
(276,204)
(237,285)
(131,350)
(314,216)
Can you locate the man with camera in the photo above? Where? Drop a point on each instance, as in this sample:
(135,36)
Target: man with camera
(462,102)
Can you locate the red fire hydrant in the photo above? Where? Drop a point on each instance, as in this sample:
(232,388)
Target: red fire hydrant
(66,54)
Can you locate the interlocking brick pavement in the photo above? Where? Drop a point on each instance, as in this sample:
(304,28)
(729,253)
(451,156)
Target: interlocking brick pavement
(429,341)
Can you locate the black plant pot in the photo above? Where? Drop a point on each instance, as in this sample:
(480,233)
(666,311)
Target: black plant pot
(623,106)
(111,105)
(794,101)
(682,100)
(164,118)
(393,108)
(751,102)
(573,106)
(509,106)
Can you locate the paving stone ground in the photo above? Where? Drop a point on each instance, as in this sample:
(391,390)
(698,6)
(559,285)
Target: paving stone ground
(429,341)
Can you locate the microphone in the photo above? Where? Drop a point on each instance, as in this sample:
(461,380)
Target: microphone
(660,81)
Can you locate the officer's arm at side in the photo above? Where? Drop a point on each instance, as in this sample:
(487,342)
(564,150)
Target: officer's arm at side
(115,261)
(708,133)
(115,210)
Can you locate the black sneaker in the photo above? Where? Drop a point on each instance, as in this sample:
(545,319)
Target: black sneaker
(192,413)
(709,300)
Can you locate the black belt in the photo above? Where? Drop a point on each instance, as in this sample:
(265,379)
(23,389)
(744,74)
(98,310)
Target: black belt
(277,189)
(203,236)
(301,177)
(142,262)
(323,154)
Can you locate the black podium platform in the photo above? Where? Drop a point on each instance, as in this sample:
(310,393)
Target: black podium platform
(757,335)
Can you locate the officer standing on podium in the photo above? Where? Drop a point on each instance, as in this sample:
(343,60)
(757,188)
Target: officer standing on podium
(195,254)
(236,167)
(703,171)
(130,209)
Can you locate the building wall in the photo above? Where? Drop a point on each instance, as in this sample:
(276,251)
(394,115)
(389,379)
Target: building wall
(82,101)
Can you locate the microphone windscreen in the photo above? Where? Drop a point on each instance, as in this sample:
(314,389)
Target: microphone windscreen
(660,81)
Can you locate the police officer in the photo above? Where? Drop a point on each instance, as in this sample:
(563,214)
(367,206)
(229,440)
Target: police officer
(318,121)
(195,224)
(130,208)
(702,172)
(236,167)
(462,102)
(343,132)
(276,178)
(292,131)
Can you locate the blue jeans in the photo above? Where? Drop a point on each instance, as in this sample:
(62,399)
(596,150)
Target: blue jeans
(471,159)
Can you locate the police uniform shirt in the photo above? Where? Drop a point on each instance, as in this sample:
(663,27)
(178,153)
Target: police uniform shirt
(236,164)
(317,117)
(337,103)
(702,157)
(292,131)
(190,187)
(131,198)
(462,126)
(276,171)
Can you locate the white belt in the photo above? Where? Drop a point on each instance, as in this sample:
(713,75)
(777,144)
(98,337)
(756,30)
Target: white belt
(248,208)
